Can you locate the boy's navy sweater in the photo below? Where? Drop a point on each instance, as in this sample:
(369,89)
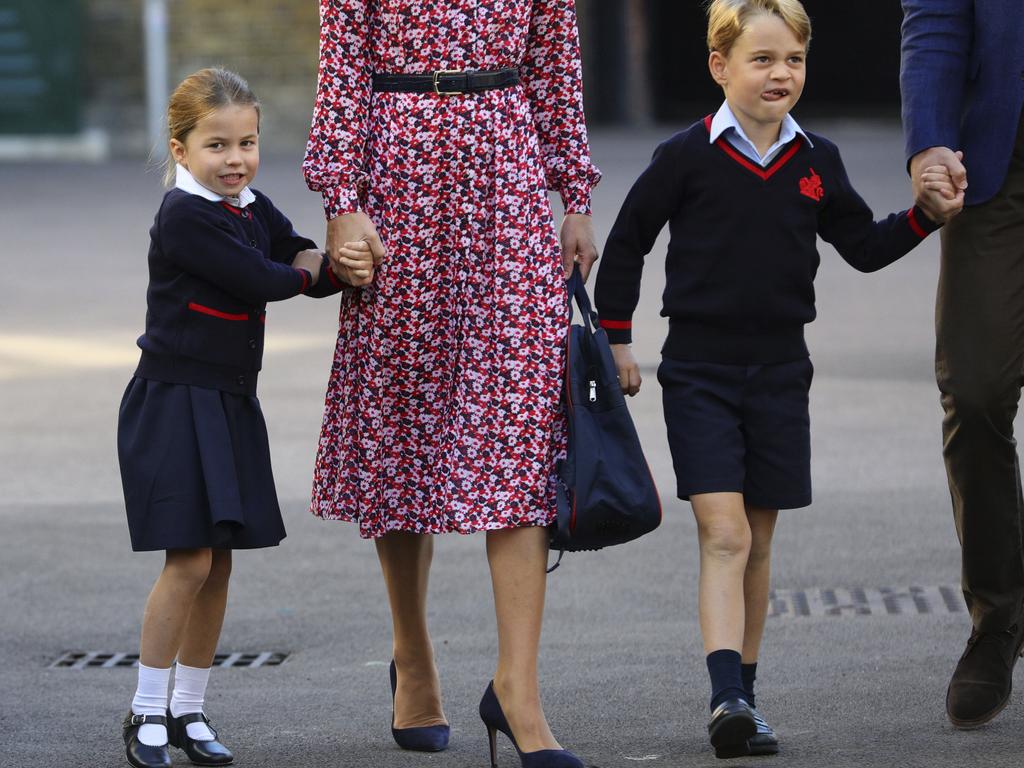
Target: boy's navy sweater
(743,251)
(212,270)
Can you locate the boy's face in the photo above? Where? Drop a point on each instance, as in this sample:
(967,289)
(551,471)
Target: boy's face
(763,75)
(222,152)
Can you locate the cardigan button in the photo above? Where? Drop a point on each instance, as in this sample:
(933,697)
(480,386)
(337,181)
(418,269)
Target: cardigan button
(252,243)
(240,381)
(252,343)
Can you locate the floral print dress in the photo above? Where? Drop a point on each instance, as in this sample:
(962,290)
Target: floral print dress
(442,411)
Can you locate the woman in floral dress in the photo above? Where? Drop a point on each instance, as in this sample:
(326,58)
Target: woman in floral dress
(442,411)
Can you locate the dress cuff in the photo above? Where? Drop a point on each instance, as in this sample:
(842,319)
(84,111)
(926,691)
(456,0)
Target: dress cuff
(576,199)
(339,200)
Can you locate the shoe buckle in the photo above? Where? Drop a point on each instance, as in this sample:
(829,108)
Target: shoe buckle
(138,720)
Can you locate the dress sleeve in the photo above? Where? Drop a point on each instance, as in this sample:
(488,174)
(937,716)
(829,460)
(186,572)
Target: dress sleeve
(552,75)
(335,163)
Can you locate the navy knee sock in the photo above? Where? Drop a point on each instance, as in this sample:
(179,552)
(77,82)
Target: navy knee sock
(726,679)
(748,672)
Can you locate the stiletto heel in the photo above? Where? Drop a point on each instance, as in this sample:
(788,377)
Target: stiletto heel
(494,718)
(492,740)
(430,738)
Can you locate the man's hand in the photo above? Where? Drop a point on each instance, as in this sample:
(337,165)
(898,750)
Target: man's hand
(939,207)
(939,193)
(578,246)
(629,371)
(354,247)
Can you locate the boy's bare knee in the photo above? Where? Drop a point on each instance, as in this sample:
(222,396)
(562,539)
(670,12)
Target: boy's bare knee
(725,541)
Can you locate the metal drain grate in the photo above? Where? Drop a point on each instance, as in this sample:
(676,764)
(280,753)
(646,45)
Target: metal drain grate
(103,660)
(858,601)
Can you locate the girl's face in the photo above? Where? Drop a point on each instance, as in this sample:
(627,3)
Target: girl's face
(763,75)
(222,152)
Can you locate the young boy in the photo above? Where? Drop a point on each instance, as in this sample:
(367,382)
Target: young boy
(745,192)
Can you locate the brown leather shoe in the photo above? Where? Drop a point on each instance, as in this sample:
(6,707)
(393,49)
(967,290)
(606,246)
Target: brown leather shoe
(983,677)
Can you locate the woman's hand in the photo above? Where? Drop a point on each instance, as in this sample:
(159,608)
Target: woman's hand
(578,246)
(629,370)
(354,248)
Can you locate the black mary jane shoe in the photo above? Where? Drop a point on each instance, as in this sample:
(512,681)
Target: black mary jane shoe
(199,752)
(732,724)
(143,755)
(764,742)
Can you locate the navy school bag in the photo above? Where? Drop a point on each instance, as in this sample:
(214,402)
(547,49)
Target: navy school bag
(606,494)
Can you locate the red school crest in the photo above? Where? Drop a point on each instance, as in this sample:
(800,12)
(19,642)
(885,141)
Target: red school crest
(811,186)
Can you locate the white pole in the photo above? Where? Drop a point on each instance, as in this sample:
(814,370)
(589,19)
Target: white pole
(155,26)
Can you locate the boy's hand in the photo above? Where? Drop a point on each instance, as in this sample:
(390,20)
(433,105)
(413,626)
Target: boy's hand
(577,237)
(309,261)
(934,203)
(938,195)
(629,371)
(350,237)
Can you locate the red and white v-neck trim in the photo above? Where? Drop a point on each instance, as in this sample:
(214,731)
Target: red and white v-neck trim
(763,173)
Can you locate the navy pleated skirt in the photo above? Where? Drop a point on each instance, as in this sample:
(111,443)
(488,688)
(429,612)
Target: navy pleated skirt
(195,466)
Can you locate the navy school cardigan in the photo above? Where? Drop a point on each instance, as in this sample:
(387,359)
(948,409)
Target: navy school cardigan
(212,270)
(743,254)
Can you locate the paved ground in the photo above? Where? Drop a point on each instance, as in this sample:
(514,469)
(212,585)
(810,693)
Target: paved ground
(624,678)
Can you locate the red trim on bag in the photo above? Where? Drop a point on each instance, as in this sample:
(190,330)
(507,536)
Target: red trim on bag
(216,312)
(915,224)
(617,325)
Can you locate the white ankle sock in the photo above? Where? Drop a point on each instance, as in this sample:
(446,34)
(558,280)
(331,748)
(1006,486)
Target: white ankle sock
(151,699)
(189,693)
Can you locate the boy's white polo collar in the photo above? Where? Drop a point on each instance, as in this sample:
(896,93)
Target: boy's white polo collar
(725,119)
(186,182)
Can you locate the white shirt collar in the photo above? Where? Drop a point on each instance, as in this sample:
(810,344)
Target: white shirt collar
(186,182)
(725,119)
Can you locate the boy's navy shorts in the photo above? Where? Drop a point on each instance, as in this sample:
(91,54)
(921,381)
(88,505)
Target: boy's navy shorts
(740,428)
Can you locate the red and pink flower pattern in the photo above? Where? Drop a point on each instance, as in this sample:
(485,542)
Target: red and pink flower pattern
(442,411)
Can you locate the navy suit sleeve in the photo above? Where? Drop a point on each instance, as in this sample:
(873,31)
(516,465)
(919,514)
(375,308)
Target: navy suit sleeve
(200,243)
(937,38)
(651,202)
(847,222)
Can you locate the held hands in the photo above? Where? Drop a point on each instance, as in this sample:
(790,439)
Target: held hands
(939,179)
(577,237)
(354,248)
(629,371)
(309,261)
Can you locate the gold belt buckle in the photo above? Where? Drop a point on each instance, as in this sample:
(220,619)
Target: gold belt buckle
(438,74)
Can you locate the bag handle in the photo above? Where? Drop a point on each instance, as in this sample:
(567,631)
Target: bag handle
(576,290)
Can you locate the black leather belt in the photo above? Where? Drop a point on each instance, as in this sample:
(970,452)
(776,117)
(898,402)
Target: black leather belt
(446,82)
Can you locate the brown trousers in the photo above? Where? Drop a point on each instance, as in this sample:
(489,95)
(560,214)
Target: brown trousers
(979,366)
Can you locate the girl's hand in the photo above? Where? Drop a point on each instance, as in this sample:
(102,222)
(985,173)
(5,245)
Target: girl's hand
(578,246)
(350,237)
(309,261)
(629,370)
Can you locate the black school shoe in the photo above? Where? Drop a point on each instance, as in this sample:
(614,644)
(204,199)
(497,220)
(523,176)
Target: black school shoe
(983,677)
(731,726)
(764,742)
(199,752)
(143,755)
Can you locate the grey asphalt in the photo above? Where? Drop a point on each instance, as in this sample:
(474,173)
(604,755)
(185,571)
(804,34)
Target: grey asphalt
(623,675)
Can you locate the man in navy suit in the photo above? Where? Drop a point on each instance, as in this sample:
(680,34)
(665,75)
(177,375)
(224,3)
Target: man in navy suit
(963,86)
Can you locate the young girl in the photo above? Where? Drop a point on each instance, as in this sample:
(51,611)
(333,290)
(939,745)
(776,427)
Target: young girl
(745,192)
(192,443)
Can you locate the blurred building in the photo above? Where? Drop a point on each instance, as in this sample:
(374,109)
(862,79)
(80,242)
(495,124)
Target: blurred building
(68,65)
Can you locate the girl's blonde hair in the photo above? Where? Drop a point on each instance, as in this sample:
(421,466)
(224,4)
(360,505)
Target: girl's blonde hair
(727,20)
(199,95)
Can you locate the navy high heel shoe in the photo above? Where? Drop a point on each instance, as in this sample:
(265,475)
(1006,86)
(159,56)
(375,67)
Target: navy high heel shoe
(494,718)
(429,738)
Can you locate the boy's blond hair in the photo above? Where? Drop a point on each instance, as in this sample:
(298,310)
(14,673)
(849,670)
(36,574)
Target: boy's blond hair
(727,19)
